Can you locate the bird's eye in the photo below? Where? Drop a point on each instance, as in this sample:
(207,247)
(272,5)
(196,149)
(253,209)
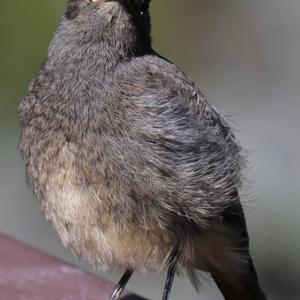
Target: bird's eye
(144,6)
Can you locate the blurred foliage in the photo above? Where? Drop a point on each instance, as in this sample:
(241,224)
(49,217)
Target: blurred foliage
(25,30)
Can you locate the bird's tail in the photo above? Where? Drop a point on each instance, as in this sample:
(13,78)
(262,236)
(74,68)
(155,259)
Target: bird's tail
(242,285)
(247,287)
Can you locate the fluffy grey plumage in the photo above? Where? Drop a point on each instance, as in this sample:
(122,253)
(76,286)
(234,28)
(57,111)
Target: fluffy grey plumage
(125,154)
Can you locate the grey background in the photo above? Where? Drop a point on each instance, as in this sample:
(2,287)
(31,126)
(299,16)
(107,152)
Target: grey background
(246,57)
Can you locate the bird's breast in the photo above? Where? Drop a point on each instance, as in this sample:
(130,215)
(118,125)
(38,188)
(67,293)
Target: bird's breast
(79,213)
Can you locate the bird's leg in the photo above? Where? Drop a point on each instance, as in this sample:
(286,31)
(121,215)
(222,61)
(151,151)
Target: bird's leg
(170,276)
(121,285)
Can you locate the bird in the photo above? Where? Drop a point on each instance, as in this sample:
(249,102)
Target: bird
(132,165)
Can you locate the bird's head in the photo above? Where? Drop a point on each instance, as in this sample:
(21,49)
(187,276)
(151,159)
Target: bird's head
(107,30)
(138,9)
(118,18)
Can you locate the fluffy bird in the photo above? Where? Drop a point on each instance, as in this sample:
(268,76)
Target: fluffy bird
(131,164)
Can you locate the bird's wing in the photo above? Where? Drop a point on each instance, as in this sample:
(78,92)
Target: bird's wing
(190,147)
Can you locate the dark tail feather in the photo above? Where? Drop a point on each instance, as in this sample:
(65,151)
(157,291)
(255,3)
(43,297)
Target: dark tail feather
(246,288)
(243,286)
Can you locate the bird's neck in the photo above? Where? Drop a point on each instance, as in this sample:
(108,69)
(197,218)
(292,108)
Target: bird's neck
(75,51)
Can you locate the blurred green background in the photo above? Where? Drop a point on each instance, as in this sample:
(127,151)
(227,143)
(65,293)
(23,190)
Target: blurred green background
(246,57)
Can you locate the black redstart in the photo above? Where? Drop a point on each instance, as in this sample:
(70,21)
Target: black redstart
(131,164)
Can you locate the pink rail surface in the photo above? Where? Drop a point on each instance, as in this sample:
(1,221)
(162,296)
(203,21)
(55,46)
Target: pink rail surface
(29,274)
